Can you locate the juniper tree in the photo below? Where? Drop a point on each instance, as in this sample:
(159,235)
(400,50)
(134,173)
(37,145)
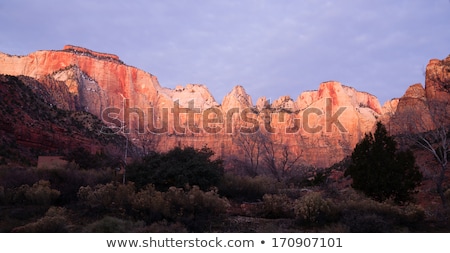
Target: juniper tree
(381,171)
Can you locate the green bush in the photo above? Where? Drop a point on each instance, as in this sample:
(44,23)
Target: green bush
(192,207)
(411,215)
(246,188)
(194,203)
(113,225)
(38,194)
(362,214)
(196,209)
(178,167)
(66,180)
(107,197)
(277,206)
(206,204)
(54,221)
(314,209)
(149,204)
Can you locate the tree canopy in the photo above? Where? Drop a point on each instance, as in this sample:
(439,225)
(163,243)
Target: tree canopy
(381,171)
(178,167)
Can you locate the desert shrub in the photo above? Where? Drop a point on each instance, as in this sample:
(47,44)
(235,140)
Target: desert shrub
(367,223)
(180,203)
(245,188)
(201,208)
(107,197)
(411,215)
(293,192)
(110,224)
(207,203)
(39,194)
(361,214)
(277,206)
(364,204)
(194,208)
(69,180)
(175,202)
(314,209)
(66,180)
(149,204)
(164,227)
(54,221)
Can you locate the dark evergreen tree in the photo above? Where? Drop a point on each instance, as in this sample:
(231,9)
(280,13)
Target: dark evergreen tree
(380,171)
(86,160)
(178,167)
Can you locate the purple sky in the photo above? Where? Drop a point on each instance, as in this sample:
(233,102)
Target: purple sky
(272,48)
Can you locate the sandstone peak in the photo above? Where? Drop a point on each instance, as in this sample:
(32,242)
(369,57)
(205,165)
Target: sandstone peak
(335,91)
(306,98)
(432,62)
(286,103)
(437,79)
(98,80)
(389,107)
(415,91)
(198,93)
(237,98)
(238,90)
(329,86)
(262,103)
(88,52)
(363,99)
(341,95)
(415,109)
(93,81)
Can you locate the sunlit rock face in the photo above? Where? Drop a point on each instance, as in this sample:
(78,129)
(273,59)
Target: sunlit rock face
(32,124)
(319,127)
(422,109)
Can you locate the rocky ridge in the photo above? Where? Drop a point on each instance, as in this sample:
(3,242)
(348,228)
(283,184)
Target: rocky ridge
(321,126)
(422,108)
(32,124)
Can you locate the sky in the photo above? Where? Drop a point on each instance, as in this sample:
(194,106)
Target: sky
(271,47)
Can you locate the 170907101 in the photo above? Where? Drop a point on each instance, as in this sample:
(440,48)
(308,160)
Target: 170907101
(316,242)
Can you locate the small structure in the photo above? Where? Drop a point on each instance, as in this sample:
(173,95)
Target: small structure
(51,162)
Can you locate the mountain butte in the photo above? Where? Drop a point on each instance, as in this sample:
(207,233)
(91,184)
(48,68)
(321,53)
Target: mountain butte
(319,127)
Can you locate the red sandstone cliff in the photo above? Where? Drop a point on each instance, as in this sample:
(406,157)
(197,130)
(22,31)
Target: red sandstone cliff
(99,81)
(321,126)
(421,109)
(31,124)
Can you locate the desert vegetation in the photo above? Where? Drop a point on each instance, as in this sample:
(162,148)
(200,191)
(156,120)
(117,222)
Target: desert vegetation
(188,190)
